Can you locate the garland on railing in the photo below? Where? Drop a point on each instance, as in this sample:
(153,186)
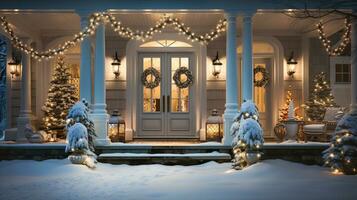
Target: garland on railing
(98,18)
(327,43)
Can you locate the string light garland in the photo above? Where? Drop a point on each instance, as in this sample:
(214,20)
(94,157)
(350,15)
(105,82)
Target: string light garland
(327,43)
(126,32)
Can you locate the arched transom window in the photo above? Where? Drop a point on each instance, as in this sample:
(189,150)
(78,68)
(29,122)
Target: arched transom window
(166,43)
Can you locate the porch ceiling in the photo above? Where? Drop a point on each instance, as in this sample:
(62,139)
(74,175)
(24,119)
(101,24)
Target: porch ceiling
(51,24)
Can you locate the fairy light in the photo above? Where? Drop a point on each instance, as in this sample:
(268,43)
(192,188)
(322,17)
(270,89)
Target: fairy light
(327,43)
(104,17)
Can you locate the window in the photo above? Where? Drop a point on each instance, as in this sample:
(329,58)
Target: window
(342,73)
(166,43)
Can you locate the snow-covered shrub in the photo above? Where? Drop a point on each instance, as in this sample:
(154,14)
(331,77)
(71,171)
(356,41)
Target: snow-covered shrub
(248,136)
(341,156)
(77,146)
(79,113)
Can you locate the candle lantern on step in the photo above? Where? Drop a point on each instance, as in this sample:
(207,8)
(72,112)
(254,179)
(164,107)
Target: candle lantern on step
(214,127)
(116,127)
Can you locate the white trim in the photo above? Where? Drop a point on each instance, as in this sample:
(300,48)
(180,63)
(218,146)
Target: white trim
(132,49)
(305,49)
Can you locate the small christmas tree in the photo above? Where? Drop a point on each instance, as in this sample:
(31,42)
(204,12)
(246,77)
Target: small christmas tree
(78,146)
(320,98)
(61,96)
(79,114)
(248,136)
(284,110)
(341,156)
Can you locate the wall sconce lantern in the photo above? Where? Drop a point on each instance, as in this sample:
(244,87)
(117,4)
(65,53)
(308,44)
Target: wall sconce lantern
(217,66)
(14,64)
(214,127)
(116,127)
(291,65)
(116,64)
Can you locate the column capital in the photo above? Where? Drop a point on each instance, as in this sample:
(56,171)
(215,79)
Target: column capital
(247,13)
(231,14)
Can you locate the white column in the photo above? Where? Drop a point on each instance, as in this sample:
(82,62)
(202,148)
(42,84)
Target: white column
(247,56)
(354,64)
(85,81)
(25,116)
(231,77)
(99,112)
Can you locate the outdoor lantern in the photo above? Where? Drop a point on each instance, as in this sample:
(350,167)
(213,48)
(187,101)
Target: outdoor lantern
(116,127)
(291,65)
(214,127)
(14,66)
(217,65)
(116,64)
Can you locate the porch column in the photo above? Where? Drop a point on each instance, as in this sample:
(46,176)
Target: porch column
(85,67)
(354,64)
(25,116)
(99,112)
(231,77)
(247,56)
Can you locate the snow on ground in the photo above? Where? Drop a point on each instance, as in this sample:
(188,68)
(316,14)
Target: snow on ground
(270,179)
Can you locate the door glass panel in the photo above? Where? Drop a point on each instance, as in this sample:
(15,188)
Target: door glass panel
(179,97)
(151,97)
(259,92)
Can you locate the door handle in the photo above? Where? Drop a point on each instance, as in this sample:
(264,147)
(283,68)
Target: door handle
(163,103)
(168,103)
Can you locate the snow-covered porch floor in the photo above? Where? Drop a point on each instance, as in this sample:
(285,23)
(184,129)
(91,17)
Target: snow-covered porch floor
(270,179)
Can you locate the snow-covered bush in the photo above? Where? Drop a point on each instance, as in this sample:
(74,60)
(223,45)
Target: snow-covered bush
(79,114)
(248,136)
(77,146)
(341,156)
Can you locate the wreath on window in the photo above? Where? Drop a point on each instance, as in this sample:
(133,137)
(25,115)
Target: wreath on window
(153,81)
(261,76)
(180,81)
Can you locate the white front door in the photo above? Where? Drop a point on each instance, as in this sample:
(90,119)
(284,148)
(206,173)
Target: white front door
(165,111)
(262,96)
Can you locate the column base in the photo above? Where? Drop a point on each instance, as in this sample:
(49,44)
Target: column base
(353,108)
(22,122)
(228,117)
(100,120)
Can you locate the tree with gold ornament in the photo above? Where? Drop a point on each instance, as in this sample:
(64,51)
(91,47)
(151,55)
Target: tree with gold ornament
(284,110)
(320,98)
(61,96)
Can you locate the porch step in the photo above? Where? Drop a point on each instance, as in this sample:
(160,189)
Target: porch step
(165,159)
(164,149)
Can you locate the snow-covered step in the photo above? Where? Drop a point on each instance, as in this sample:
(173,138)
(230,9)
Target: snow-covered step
(167,159)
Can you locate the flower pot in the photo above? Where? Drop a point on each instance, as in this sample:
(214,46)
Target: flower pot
(252,158)
(292,128)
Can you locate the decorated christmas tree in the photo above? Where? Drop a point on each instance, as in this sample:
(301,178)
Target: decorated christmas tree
(248,136)
(61,96)
(284,110)
(341,156)
(79,114)
(320,98)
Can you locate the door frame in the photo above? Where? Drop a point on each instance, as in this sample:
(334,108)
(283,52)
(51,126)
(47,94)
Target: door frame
(199,53)
(166,131)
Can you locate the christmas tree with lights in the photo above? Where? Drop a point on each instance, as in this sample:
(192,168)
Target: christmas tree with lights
(284,110)
(61,96)
(341,156)
(248,136)
(320,98)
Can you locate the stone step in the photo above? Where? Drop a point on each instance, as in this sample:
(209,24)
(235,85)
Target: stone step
(165,159)
(164,149)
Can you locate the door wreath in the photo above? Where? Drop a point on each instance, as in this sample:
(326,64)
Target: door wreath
(177,77)
(264,77)
(154,82)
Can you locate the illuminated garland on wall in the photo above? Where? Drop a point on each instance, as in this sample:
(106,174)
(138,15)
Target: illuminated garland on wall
(327,43)
(126,32)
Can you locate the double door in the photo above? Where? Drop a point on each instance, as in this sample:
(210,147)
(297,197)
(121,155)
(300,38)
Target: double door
(165,111)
